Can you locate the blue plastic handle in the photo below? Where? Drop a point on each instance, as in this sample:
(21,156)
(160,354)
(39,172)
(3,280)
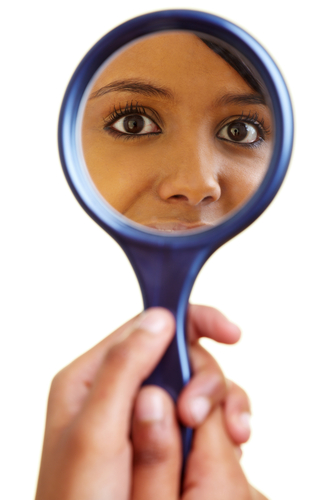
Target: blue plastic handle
(166,277)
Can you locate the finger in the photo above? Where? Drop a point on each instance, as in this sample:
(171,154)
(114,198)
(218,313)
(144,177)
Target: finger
(205,390)
(156,447)
(106,414)
(213,470)
(204,321)
(72,384)
(237,413)
(208,388)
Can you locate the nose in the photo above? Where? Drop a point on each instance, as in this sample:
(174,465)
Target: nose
(192,179)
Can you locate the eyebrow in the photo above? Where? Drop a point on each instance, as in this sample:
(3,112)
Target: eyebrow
(241,99)
(135,86)
(141,87)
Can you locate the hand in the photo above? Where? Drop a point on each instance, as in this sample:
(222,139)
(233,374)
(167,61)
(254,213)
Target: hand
(87,451)
(213,471)
(208,386)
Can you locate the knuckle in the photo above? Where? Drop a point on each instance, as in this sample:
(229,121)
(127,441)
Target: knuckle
(152,454)
(86,439)
(120,356)
(215,385)
(239,391)
(239,484)
(154,445)
(77,442)
(202,360)
(218,380)
(242,397)
(130,353)
(59,385)
(57,381)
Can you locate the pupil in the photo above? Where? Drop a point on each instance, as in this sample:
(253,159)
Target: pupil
(133,124)
(237,131)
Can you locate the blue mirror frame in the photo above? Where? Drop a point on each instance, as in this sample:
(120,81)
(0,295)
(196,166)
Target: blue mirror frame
(186,20)
(167,266)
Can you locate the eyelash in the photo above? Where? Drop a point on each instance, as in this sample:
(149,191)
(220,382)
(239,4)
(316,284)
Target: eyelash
(129,109)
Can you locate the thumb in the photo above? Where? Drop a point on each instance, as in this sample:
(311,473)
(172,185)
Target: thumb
(156,442)
(107,411)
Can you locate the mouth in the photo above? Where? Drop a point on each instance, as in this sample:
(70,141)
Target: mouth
(176,226)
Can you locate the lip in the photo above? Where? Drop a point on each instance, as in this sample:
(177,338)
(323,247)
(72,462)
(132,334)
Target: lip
(176,226)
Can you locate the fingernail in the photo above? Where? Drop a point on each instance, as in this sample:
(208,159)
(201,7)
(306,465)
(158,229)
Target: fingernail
(235,327)
(152,321)
(149,406)
(232,326)
(200,408)
(243,420)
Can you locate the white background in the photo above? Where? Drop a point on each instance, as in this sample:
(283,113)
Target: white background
(65,284)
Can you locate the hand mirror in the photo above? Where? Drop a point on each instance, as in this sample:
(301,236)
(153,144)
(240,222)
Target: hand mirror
(175,134)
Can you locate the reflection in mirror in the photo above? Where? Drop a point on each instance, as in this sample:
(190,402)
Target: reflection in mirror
(177,131)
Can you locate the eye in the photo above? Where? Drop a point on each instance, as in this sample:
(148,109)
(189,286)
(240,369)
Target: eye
(135,124)
(239,131)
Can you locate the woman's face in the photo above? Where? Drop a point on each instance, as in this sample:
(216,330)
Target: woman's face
(173,137)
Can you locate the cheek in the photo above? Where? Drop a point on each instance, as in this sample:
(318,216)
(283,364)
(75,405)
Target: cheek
(121,171)
(241,175)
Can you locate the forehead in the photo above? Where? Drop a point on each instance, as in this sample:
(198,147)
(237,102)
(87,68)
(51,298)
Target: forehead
(179,61)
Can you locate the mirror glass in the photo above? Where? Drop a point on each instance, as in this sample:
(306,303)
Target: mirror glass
(176,131)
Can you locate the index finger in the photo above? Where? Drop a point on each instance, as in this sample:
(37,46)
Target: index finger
(71,386)
(204,321)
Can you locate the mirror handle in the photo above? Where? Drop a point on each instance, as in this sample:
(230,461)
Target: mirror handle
(166,277)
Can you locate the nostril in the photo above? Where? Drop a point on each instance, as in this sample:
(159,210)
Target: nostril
(208,199)
(195,191)
(179,197)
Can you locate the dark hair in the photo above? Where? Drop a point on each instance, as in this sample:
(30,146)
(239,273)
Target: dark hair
(236,63)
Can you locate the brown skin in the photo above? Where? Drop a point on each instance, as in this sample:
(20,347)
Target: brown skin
(108,438)
(213,470)
(182,171)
